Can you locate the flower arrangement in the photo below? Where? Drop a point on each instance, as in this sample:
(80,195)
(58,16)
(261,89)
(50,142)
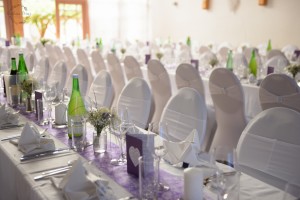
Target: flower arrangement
(213,62)
(159,55)
(293,69)
(101,117)
(28,85)
(123,51)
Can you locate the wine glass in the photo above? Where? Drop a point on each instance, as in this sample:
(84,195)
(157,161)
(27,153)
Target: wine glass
(49,94)
(159,148)
(124,127)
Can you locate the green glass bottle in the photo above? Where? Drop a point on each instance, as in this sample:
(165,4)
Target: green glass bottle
(188,41)
(76,110)
(253,64)
(269,47)
(22,69)
(13,70)
(229,63)
(13,82)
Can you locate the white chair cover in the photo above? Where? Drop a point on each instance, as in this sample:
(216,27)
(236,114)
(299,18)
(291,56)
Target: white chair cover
(161,89)
(278,62)
(279,90)
(132,68)
(40,51)
(59,53)
(204,49)
(58,75)
(42,69)
(30,61)
(52,56)
(136,96)
(5,59)
(274,52)
(83,59)
(71,61)
(228,99)
(101,91)
(83,79)
(116,73)
(184,112)
(222,54)
(269,147)
(98,61)
(29,46)
(289,51)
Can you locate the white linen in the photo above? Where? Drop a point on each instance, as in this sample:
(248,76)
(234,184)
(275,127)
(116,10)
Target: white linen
(60,114)
(31,141)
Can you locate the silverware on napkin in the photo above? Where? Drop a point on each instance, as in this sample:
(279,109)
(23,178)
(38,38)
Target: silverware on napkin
(43,133)
(36,178)
(8,126)
(45,154)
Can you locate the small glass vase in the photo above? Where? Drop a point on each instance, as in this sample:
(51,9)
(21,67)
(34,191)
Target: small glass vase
(28,103)
(100,140)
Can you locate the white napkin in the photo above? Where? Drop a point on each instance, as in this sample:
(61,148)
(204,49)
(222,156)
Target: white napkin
(77,185)
(8,117)
(60,114)
(184,151)
(32,142)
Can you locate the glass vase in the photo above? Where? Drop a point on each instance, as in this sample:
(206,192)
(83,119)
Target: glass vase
(29,107)
(100,140)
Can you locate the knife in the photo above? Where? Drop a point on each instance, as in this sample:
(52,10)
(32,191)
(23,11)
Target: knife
(11,126)
(36,178)
(45,154)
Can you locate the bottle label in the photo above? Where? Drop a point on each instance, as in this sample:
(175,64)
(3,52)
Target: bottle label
(75,126)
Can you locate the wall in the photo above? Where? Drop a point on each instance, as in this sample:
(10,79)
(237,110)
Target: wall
(251,23)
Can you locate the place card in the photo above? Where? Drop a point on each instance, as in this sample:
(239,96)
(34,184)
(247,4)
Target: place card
(270,70)
(147,58)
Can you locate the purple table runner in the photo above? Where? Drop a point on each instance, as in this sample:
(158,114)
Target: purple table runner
(102,162)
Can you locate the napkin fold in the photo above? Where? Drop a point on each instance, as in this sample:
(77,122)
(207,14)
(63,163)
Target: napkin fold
(8,116)
(183,151)
(77,184)
(61,114)
(31,141)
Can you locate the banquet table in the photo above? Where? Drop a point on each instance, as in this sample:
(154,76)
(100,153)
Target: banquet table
(16,178)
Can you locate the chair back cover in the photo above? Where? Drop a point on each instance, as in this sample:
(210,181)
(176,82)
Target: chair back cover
(279,90)
(59,53)
(269,147)
(289,51)
(58,75)
(278,62)
(274,52)
(228,99)
(184,112)
(29,46)
(52,56)
(117,76)
(132,68)
(70,59)
(30,61)
(83,59)
(98,61)
(161,89)
(42,69)
(101,91)
(136,96)
(83,79)
(188,76)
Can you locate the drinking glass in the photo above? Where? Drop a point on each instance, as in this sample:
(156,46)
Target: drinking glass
(49,94)
(226,181)
(148,177)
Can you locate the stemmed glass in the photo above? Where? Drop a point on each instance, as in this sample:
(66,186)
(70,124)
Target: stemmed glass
(49,94)
(159,148)
(124,127)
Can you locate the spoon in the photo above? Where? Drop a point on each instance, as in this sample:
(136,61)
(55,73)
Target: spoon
(57,169)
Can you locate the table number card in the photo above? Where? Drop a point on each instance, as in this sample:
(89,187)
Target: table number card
(270,70)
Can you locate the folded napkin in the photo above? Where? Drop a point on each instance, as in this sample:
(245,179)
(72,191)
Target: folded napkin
(32,142)
(77,184)
(184,151)
(8,116)
(60,114)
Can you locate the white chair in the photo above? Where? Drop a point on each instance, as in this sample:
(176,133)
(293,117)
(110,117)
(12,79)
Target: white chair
(40,51)
(58,75)
(29,46)
(59,53)
(279,90)
(183,113)
(52,56)
(42,69)
(269,147)
(222,54)
(98,61)
(289,50)
(136,96)
(278,62)
(161,89)
(188,76)
(204,49)
(274,52)
(83,59)
(70,59)
(132,68)
(228,99)
(117,76)
(83,79)
(101,91)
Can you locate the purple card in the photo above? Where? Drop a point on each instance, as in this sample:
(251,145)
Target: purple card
(38,95)
(147,58)
(195,63)
(134,149)
(7,43)
(270,70)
